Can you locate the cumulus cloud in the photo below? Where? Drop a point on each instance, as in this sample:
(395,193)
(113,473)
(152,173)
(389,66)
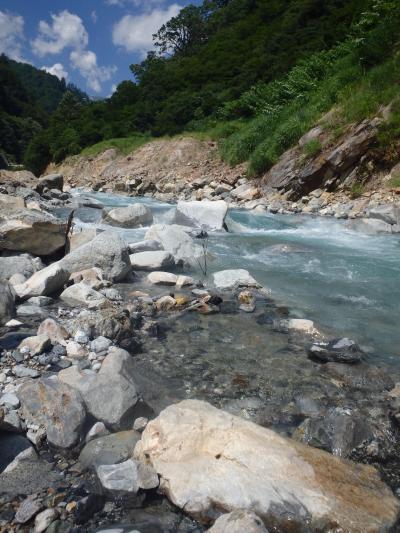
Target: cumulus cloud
(11,34)
(57,70)
(86,62)
(135,32)
(66,31)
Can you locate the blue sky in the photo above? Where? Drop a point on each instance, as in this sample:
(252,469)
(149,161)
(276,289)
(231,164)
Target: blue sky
(90,42)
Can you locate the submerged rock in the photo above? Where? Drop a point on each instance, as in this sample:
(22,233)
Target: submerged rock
(338,351)
(206,215)
(210,461)
(110,449)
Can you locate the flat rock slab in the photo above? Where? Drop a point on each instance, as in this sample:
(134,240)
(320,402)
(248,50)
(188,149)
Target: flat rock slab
(233,279)
(210,461)
(151,260)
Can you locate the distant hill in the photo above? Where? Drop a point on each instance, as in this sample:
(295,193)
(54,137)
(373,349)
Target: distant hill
(46,89)
(28,97)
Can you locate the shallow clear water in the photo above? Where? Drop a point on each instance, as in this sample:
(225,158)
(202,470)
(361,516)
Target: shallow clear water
(347,282)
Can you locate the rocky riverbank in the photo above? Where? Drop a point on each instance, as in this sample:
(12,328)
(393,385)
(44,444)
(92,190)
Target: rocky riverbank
(345,178)
(99,336)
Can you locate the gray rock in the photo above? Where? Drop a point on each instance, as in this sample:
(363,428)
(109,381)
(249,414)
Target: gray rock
(205,215)
(82,294)
(233,279)
(10,399)
(24,264)
(100,344)
(44,519)
(57,407)
(22,371)
(30,310)
(11,422)
(111,449)
(81,337)
(21,470)
(41,301)
(7,299)
(27,510)
(238,522)
(151,260)
(127,477)
(338,351)
(145,246)
(162,278)
(32,231)
(115,381)
(107,251)
(370,226)
(388,213)
(175,240)
(44,282)
(131,216)
(51,181)
(96,431)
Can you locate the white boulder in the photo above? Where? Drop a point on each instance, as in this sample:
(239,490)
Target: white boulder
(206,215)
(233,279)
(152,260)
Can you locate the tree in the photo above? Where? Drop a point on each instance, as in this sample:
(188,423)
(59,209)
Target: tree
(182,32)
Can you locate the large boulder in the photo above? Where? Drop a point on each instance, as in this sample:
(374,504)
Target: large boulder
(24,264)
(114,382)
(387,213)
(44,282)
(51,181)
(57,407)
(152,260)
(238,522)
(132,216)
(107,251)
(233,279)
(7,302)
(210,462)
(35,232)
(175,240)
(205,215)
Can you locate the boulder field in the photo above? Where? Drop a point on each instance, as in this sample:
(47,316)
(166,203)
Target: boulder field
(86,442)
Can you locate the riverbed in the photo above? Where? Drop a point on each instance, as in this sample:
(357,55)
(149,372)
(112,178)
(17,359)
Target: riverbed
(347,282)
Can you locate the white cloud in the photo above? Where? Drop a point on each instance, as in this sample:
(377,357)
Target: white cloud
(86,62)
(11,34)
(57,70)
(93,16)
(135,32)
(66,31)
(144,4)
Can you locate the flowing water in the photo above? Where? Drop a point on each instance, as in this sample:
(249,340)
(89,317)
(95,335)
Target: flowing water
(347,282)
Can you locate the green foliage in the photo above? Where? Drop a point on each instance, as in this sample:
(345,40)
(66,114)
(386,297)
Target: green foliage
(124,145)
(356,190)
(312,148)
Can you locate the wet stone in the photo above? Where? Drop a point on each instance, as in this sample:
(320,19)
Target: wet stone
(338,351)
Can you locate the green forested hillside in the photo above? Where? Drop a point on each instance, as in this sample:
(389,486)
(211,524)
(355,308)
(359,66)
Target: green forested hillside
(253,73)
(28,96)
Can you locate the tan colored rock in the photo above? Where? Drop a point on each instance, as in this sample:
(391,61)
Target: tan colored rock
(13,201)
(165,303)
(57,333)
(210,461)
(36,345)
(83,237)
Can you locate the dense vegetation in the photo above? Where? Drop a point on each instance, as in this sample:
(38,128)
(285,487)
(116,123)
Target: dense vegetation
(255,74)
(28,96)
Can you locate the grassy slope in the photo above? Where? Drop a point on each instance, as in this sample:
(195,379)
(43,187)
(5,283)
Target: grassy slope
(124,145)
